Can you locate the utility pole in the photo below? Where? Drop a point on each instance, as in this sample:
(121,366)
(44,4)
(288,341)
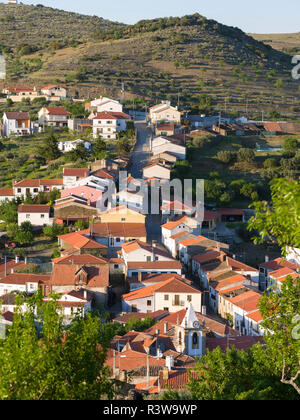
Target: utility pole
(122,93)
(114,363)
(178,102)
(148,373)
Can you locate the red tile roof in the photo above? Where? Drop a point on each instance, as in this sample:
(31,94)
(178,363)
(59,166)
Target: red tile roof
(17,115)
(119,230)
(111,116)
(81,242)
(78,172)
(34,208)
(172,285)
(20,278)
(278,263)
(65,268)
(174,224)
(38,182)
(158,265)
(6,192)
(241,343)
(59,110)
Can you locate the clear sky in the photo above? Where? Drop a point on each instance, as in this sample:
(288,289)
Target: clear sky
(256,16)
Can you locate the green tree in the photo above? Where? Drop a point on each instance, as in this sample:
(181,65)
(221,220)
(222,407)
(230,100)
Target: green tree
(281,312)
(54,231)
(279,220)
(246,155)
(290,145)
(49,149)
(99,148)
(56,364)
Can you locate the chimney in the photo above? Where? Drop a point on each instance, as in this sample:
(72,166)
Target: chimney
(166,327)
(204,310)
(140,277)
(266,258)
(85,294)
(17,259)
(25,260)
(157,331)
(169,365)
(234,256)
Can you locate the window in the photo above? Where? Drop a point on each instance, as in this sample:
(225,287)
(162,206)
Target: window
(166,309)
(116,266)
(123,219)
(118,239)
(189,298)
(179,338)
(27,216)
(134,308)
(149,303)
(166,297)
(148,259)
(35,190)
(19,190)
(42,216)
(195,341)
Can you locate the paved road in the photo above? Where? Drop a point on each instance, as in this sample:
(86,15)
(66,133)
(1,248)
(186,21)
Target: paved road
(140,159)
(141,152)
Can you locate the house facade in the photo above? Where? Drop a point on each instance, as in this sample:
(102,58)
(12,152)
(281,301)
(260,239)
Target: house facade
(37,214)
(108,124)
(56,117)
(16,123)
(34,186)
(164,112)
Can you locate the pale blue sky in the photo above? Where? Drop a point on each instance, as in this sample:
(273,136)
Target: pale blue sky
(260,16)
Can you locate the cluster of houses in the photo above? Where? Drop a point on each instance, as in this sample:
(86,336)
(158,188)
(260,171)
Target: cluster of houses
(198,293)
(106,117)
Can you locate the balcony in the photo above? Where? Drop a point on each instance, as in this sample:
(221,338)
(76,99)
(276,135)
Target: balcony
(178,302)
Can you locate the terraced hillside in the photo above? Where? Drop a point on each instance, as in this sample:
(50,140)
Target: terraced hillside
(191,59)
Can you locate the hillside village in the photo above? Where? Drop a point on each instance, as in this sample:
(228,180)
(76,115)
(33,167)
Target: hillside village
(78,181)
(170,269)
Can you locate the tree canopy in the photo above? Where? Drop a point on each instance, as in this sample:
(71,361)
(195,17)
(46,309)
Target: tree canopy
(279,220)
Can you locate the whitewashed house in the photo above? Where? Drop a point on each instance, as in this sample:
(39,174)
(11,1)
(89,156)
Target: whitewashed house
(175,229)
(19,282)
(108,124)
(164,112)
(74,303)
(104,104)
(37,214)
(55,92)
(171,295)
(53,117)
(6,194)
(172,145)
(140,257)
(34,186)
(16,123)
(157,171)
(69,146)
(72,176)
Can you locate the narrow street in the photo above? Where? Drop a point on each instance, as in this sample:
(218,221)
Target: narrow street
(141,151)
(141,158)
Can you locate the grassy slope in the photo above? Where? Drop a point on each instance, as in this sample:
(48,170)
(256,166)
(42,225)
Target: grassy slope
(280,41)
(213,59)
